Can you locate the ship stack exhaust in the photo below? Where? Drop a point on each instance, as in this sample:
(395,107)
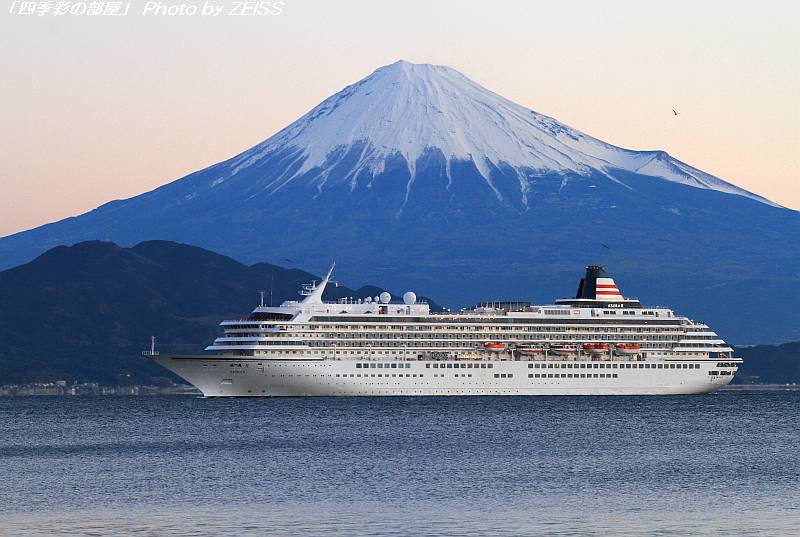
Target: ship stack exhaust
(598,285)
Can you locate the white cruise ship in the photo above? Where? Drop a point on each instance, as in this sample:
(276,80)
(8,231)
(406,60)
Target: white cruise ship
(598,343)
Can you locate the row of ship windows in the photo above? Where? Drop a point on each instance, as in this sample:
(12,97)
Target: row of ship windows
(469,375)
(414,344)
(573,375)
(386,375)
(381,365)
(580,334)
(614,366)
(466,365)
(448,329)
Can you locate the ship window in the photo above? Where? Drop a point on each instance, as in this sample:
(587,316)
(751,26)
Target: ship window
(427,366)
(490,365)
(408,365)
(615,375)
(497,375)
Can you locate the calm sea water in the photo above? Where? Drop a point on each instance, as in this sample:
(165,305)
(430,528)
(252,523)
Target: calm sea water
(727,463)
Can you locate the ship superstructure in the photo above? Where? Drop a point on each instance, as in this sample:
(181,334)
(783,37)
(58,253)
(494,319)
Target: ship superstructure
(596,343)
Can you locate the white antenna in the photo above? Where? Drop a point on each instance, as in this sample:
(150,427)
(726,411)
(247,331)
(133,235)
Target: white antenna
(271,284)
(262,299)
(152,351)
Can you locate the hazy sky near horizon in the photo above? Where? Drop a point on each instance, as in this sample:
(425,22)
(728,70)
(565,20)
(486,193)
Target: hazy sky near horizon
(103,108)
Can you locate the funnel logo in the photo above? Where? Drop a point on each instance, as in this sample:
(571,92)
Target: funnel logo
(606,289)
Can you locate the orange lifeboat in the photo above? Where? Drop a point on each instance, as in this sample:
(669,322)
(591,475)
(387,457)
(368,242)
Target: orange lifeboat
(494,346)
(595,348)
(627,348)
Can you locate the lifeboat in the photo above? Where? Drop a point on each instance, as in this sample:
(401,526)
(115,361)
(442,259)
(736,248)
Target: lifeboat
(564,350)
(595,348)
(627,348)
(494,346)
(530,350)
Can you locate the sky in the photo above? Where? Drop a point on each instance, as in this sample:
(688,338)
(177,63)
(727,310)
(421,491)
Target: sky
(96,108)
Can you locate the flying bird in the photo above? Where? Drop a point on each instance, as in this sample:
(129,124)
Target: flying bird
(674,112)
(605,246)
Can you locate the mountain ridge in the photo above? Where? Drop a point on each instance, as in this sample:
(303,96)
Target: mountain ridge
(85,312)
(478,121)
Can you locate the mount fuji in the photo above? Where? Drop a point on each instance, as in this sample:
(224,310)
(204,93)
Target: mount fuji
(416,176)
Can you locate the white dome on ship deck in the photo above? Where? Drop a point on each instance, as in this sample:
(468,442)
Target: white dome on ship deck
(385,297)
(410,298)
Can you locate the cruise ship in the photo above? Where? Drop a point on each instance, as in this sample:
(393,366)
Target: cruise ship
(598,343)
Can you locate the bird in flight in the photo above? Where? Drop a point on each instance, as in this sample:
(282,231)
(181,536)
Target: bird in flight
(674,112)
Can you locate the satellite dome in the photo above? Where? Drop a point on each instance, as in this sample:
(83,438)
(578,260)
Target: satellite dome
(385,297)
(410,298)
(377,299)
(368,299)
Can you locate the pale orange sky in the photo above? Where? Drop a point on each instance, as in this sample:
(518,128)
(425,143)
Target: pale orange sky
(95,109)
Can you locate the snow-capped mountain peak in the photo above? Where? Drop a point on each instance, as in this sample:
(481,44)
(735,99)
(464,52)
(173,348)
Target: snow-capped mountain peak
(407,109)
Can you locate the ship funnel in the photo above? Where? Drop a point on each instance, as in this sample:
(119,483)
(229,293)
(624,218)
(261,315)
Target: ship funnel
(598,285)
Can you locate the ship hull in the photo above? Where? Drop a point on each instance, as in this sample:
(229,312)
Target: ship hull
(222,376)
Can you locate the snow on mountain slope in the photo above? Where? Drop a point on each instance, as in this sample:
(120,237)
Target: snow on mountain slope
(407,109)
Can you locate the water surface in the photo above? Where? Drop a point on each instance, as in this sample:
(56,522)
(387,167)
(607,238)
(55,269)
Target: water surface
(724,463)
